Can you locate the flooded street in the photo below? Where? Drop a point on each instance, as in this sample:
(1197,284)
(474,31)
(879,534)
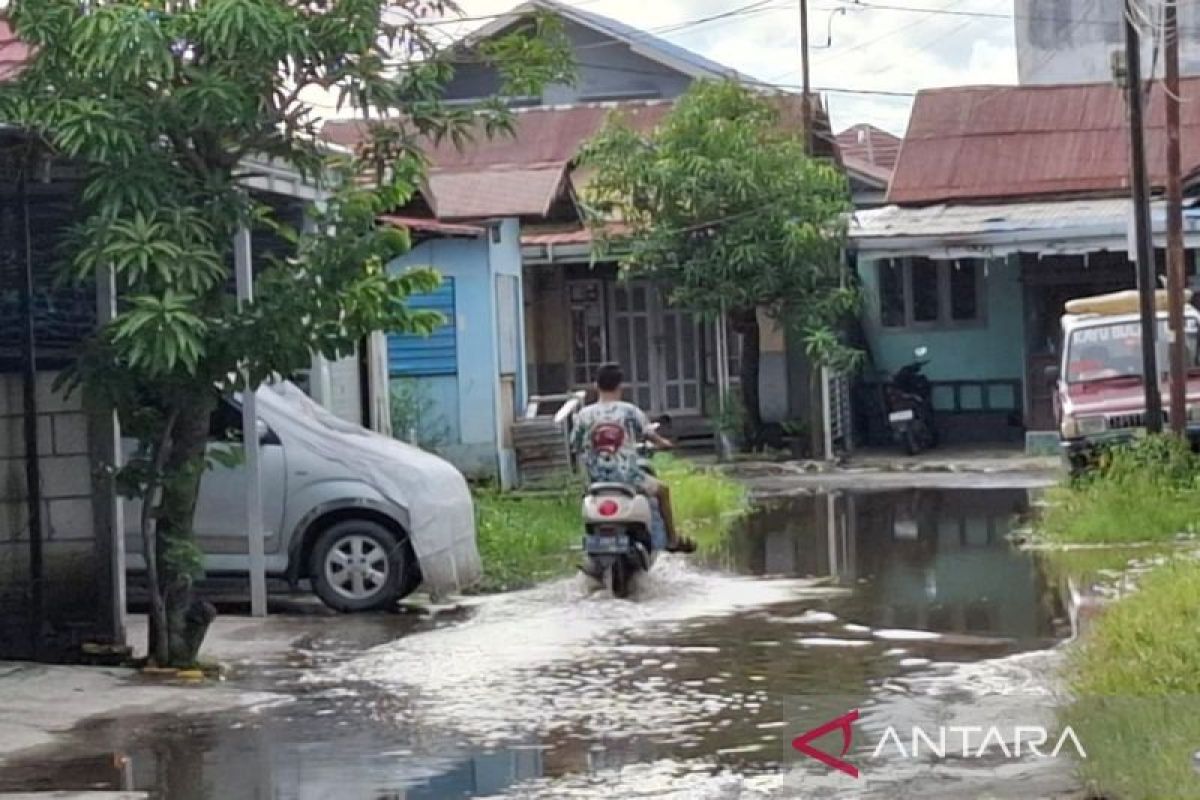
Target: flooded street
(904,603)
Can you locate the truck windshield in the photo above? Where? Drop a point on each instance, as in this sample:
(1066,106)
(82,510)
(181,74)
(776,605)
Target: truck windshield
(1114,350)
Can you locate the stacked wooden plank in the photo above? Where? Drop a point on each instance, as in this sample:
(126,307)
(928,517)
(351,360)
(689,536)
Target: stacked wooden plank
(543,454)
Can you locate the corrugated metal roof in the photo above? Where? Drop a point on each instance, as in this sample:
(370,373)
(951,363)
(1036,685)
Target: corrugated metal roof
(533,235)
(432,225)
(506,175)
(14,54)
(978,143)
(866,143)
(960,230)
(500,192)
(961,220)
(543,135)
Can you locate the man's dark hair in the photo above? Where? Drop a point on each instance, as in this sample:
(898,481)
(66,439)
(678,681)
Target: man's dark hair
(609,377)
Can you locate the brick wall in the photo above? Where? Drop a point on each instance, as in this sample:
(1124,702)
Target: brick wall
(73,574)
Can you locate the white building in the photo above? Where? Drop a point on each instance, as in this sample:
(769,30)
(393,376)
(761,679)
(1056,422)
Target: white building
(1072,41)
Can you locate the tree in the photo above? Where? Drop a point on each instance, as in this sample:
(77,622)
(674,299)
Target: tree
(723,205)
(163,104)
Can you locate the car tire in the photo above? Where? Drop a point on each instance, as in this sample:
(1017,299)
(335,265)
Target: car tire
(361,565)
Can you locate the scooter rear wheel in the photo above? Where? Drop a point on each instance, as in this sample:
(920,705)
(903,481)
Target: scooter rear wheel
(618,579)
(912,443)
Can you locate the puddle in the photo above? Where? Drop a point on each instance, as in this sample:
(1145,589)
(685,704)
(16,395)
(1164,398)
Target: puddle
(877,599)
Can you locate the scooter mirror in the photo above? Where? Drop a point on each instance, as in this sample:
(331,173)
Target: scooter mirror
(921,352)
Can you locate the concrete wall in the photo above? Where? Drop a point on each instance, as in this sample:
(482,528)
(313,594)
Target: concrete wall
(604,72)
(1070,41)
(466,403)
(992,350)
(73,573)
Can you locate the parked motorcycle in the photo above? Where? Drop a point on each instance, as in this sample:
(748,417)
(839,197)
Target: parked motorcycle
(909,397)
(623,529)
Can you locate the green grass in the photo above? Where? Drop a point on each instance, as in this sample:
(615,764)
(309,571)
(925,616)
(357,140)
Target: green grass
(1143,492)
(525,538)
(1136,676)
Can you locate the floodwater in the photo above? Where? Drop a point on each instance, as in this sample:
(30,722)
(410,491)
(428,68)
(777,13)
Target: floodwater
(905,604)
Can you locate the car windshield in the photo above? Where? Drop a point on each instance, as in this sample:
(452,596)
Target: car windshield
(1114,350)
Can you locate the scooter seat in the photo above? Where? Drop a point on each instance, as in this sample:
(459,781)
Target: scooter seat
(623,488)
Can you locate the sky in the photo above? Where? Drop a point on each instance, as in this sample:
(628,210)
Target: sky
(852,45)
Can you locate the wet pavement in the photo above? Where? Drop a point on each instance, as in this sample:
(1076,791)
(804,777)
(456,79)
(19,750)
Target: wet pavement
(903,603)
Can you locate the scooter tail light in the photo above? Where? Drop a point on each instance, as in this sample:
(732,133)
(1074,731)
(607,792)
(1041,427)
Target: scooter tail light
(608,508)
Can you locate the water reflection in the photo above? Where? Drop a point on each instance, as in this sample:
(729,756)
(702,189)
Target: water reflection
(921,559)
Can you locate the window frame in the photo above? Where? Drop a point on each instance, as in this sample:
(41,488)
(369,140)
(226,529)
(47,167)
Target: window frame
(944,319)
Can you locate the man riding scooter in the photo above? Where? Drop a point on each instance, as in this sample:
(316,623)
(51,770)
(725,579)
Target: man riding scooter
(607,432)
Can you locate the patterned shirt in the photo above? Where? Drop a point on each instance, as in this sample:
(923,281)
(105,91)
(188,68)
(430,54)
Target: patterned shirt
(607,434)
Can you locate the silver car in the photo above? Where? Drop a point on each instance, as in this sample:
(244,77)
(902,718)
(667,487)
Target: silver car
(367,519)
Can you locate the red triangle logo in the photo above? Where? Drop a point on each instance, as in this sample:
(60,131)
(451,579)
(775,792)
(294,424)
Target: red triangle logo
(844,723)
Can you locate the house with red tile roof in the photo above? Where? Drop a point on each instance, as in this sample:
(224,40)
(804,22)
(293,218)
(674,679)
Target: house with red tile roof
(1005,202)
(577,313)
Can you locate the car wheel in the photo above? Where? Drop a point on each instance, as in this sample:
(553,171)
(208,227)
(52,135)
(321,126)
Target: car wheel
(361,565)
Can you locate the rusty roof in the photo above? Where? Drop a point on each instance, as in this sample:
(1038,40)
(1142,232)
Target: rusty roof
(512,175)
(427,225)
(864,143)
(502,191)
(979,143)
(14,54)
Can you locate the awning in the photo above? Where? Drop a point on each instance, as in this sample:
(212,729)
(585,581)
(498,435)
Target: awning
(1067,227)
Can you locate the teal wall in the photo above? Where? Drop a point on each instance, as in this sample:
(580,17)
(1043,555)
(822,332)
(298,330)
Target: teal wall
(993,350)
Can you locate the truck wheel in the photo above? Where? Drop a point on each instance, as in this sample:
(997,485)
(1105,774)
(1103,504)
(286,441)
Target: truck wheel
(360,565)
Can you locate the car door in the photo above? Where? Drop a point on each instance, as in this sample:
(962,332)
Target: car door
(220,520)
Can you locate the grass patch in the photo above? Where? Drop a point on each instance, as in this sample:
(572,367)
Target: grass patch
(1137,680)
(1145,491)
(525,538)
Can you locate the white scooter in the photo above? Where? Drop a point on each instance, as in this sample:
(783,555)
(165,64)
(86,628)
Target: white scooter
(623,532)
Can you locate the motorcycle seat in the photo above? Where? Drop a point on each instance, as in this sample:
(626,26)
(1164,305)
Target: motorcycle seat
(623,488)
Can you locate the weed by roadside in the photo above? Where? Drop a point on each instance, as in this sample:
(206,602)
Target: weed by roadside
(1145,491)
(525,538)
(1137,689)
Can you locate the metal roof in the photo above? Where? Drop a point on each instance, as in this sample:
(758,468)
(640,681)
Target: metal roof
(14,54)
(873,146)
(980,143)
(500,192)
(961,231)
(510,175)
(427,225)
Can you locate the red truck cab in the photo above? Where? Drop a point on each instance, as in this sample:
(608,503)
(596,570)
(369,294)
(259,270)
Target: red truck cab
(1099,393)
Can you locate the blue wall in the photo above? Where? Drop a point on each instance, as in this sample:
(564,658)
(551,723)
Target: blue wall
(468,400)
(995,349)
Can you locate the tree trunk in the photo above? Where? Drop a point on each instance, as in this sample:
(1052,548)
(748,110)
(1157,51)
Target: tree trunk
(187,617)
(158,647)
(746,323)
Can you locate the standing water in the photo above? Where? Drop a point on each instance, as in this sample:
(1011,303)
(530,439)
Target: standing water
(813,605)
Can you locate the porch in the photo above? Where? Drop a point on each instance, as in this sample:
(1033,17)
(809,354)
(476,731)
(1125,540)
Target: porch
(983,288)
(580,316)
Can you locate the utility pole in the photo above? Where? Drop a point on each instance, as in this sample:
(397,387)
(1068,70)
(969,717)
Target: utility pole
(806,93)
(1141,220)
(1175,269)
